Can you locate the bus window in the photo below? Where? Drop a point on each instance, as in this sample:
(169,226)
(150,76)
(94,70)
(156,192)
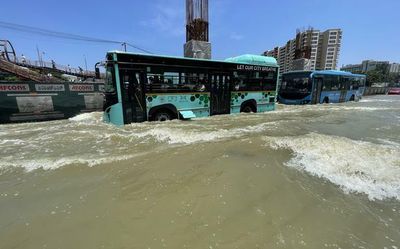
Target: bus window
(110,91)
(203,82)
(345,83)
(197,82)
(362,82)
(239,81)
(326,86)
(354,83)
(109,85)
(171,79)
(154,82)
(255,81)
(159,80)
(269,81)
(333,81)
(296,83)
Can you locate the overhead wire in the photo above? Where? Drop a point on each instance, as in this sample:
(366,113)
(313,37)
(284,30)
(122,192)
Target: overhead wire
(64,35)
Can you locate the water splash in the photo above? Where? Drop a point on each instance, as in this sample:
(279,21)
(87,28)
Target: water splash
(356,166)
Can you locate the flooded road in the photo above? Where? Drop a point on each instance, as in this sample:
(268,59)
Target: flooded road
(322,176)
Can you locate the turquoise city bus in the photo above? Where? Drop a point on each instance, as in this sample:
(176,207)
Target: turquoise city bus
(328,86)
(158,88)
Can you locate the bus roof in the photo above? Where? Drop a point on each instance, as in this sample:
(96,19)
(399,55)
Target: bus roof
(337,72)
(327,72)
(242,59)
(253,59)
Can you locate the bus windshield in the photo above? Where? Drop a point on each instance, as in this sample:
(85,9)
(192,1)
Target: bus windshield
(297,82)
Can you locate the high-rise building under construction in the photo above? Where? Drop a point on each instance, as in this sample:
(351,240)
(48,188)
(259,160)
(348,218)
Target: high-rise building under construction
(309,50)
(197,30)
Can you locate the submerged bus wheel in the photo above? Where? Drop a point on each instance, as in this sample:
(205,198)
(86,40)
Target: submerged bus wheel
(326,100)
(352,98)
(162,115)
(248,107)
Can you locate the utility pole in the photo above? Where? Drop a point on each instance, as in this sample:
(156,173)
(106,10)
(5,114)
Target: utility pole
(84,56)
(124,45)
(41,57)
(38,53)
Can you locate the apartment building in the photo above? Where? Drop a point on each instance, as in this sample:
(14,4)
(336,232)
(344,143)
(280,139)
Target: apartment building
(394,68)
(309,50)
(353,68)
(370,65)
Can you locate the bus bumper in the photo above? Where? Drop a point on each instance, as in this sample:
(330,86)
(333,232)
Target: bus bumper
(114,114)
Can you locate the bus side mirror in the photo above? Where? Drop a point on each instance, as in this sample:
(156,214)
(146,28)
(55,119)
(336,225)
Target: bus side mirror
(97,73)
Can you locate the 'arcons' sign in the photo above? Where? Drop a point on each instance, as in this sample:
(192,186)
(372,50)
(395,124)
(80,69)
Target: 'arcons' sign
(14,88)
(81,88)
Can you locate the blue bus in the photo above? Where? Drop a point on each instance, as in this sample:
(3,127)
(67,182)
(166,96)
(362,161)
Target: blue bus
(313,87)
(142,87)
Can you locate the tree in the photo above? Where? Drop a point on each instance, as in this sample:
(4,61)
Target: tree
(375,76)
(394,78)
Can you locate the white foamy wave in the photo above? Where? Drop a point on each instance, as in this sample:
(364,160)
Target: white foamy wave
(50,164)
(12,142)
(179,136)
(90,117)
(378,100)
(356,166)
(185,136)
(329,107)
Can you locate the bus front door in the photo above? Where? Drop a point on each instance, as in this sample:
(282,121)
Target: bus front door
(133,100)
(220,94)
(316,95)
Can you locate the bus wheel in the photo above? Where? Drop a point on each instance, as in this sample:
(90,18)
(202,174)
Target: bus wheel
(326,100)
(352,98)
(248,108)
(162,115)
